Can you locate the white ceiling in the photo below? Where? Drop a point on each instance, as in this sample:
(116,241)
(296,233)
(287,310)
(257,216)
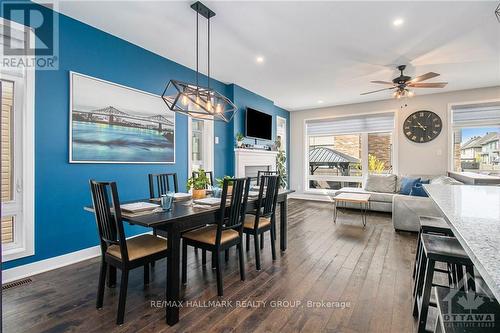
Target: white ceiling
(314,51)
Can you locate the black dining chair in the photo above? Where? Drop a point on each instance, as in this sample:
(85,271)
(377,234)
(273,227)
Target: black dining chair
(116,251)
(161,183)
(264,216)
(209,174)
(266,173)
(217,238)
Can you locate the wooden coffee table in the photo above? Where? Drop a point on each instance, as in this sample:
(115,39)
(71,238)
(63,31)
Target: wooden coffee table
(341,200)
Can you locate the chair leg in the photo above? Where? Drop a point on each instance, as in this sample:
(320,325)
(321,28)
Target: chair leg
(257,251)
(146,274)
(242,261)
(248,242)
(123,297)
(426,296)
(262,241)
(218,268)
(273,247)
(155,234)
(471,283)
(203,257)
(226,255)
(184,262)
(102,282)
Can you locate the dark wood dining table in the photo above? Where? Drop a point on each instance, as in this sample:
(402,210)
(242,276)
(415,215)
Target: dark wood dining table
(182,217)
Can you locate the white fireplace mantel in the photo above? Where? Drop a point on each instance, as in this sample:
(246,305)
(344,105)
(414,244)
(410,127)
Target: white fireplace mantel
(253,157)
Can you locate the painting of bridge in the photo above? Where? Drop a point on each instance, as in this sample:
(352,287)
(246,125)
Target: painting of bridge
(111,123)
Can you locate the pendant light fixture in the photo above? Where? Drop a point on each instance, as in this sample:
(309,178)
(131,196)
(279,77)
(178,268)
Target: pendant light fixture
(195,100)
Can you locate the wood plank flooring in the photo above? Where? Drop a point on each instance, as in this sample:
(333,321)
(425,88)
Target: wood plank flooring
(333,278)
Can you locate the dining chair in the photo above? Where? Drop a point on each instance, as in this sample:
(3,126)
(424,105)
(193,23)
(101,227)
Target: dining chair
(226,233)
(161,183)
(266,173)
(209,174)
(116,251)
(263,218)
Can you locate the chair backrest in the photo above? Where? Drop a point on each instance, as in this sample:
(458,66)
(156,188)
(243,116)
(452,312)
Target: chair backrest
(109,225)
(265,173)
(161,183)
(232,214)
(268,195)
(209,174)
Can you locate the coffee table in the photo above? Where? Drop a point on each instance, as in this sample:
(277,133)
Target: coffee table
(341,200)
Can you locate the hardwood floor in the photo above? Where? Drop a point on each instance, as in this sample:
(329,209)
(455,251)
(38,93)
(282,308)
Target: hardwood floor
(368,271)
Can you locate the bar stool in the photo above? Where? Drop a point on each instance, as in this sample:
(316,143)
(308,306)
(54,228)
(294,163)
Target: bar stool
(430,225)
(437,249)
(450,307)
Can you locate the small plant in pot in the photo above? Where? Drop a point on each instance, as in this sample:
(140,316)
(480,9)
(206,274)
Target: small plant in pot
(239,139)
(198,185)
(220,183)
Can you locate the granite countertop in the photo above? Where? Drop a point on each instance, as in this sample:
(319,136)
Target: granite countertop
(473,213)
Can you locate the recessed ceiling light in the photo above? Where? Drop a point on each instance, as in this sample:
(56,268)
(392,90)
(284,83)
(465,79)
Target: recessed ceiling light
(320,101)
(398,22)
(259,59)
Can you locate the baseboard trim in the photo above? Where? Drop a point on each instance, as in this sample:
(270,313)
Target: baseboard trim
(50,264)
(46,265)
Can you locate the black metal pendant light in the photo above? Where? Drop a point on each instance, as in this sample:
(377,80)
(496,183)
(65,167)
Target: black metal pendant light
(195,100)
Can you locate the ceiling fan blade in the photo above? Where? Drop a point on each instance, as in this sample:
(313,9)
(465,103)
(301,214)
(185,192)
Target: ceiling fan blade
(371,92)
(428,85)
(383,82)
(424,77)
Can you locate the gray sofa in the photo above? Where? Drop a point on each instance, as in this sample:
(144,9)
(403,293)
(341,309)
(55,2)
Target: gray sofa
(405,209)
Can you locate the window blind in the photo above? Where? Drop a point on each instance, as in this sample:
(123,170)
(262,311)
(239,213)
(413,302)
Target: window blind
(486,113)
(380,122)
(16,38)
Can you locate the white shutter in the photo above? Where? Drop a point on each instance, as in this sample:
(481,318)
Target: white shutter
(380,122)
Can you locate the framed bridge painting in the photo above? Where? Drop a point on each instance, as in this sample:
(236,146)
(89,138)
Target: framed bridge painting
(111,123)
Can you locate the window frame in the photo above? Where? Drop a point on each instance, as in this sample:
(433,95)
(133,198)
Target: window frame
(364,153)
(24,239)
(475,124)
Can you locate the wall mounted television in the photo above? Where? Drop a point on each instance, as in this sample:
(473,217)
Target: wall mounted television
(258,125)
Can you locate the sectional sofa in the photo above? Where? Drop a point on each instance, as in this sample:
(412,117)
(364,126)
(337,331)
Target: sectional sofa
(406,209)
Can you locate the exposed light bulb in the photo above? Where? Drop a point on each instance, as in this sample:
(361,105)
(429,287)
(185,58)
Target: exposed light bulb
(185,100)
(218,108)
(411,94)
(209,106)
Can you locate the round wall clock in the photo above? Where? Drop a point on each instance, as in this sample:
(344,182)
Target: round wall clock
(422,126)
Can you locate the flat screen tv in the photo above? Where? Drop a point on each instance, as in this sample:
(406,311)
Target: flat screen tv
(259,125)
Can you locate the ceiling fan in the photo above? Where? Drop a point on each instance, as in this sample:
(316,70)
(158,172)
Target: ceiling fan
(401,83)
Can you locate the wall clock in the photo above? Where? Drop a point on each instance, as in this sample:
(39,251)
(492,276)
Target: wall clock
(422,126)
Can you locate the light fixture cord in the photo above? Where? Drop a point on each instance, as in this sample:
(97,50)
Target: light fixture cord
(197,83)
(208,51)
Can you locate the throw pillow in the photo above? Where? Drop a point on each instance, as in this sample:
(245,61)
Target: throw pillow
(407,184)
(381,183)
(418,191)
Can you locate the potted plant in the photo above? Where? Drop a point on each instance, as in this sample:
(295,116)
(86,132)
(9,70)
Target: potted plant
(239,139)
(281,165)
(220,183)
(198,185)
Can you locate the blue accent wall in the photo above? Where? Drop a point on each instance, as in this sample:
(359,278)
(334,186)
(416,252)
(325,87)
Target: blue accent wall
(61,188)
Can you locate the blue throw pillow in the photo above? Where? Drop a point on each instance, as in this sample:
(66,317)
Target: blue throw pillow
(418,190)
(407,184)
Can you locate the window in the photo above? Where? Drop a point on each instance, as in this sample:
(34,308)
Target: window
(341,151)
(476,133)
(17,155)
(201,140)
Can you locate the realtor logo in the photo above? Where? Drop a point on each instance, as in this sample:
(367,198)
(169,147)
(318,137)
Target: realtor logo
(30,36)
(467,309)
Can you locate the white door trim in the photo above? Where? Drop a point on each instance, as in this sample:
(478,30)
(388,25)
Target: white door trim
(208,145)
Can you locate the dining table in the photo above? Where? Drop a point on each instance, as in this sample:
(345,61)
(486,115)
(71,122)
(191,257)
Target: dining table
(184,216)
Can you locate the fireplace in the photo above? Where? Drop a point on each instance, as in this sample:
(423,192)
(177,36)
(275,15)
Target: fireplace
(249,161)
